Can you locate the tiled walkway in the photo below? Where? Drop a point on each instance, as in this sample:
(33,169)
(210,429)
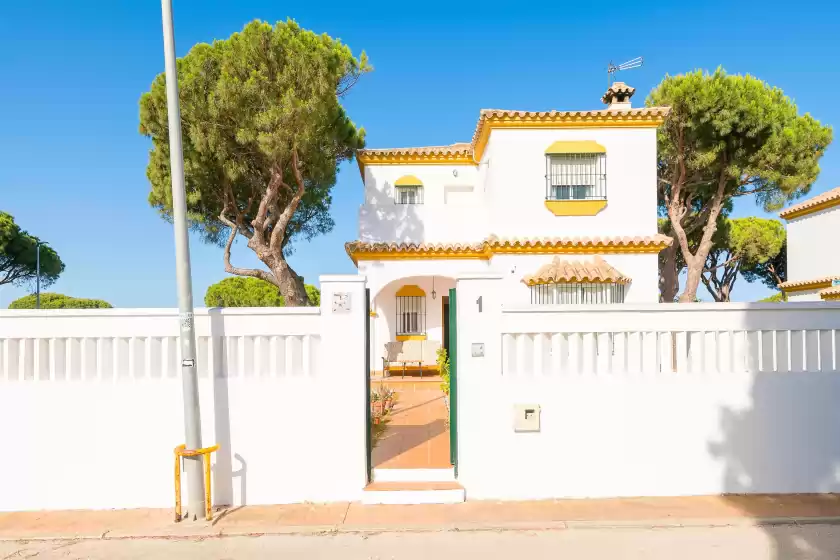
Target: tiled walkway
(695,511)
(416,436)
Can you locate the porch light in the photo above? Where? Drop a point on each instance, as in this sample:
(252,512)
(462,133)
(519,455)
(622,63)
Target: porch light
(434,293)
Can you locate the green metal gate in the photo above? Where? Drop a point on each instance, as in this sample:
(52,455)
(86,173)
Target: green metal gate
(368,448)
(453,380)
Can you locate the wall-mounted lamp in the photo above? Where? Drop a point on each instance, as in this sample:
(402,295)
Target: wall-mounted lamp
(434,293)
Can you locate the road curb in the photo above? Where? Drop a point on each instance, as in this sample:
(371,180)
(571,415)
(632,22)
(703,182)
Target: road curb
(326,530)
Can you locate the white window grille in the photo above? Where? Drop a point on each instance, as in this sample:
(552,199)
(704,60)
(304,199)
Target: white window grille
(409,194)
(411,315)
(577,293)
(576,177)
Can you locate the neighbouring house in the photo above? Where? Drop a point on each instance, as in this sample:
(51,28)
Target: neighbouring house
(813,268)
(562,204)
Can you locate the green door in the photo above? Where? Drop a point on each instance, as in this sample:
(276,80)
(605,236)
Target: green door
(453,381)
(368,447)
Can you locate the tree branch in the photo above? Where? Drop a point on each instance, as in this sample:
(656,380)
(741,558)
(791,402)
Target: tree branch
(229,268)
(278,232)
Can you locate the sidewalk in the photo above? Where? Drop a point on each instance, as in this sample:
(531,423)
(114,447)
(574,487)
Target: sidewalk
(701,511)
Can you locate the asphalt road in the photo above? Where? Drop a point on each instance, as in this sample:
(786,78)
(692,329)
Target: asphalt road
(721,543)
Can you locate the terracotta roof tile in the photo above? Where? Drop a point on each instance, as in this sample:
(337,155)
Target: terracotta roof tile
(492,245)
(815,203)
(815,282)
(626,241)
(560,270)
(616,90)
(830,293)
(457,148)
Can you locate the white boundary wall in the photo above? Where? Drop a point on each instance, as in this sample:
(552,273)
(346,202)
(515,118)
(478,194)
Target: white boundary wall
(647,400)
(91,409)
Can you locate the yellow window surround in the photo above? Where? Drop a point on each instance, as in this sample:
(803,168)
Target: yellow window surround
(408,181)
(410,290)
(404,337)
(575,147)
(575,207)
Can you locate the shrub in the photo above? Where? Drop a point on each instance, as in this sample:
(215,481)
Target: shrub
(50,300)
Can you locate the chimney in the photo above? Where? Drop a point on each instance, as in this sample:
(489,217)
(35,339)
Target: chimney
(618,97)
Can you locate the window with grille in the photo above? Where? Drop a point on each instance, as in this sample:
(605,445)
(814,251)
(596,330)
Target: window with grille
(411,315)
(577,293)
(409,194)
(576,177)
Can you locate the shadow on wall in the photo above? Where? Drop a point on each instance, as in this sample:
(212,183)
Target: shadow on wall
(786,440)
(382,219)
(223,473)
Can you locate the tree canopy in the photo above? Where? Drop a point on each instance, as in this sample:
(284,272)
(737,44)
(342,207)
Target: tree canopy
(18,256)
(740,245)
(726,137)
(237,291)
(263,133)
(51,300)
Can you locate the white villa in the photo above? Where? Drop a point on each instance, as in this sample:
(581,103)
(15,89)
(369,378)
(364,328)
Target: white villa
(561,203)
(812,266)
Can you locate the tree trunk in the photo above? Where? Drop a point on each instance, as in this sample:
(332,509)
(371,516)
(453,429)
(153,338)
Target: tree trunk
(692,281)
(290,283)
(669,281)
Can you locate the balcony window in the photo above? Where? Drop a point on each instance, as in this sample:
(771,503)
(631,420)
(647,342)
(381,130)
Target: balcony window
(576,176)
(577,293)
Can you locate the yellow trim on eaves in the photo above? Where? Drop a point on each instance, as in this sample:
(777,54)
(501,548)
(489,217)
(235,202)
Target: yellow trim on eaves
(824,205)
(817,285)
(575,207)
(490,249)
(614,119)
(576,147)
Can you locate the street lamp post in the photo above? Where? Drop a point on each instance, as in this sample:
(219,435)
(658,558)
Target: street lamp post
(189,378)
(38,244)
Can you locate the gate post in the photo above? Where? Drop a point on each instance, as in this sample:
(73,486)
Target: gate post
(478,308)
(343,348)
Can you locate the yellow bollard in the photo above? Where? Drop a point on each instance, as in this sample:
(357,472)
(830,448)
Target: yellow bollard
(180,452)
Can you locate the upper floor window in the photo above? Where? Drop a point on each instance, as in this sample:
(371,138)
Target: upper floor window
(408,190)
(576,171)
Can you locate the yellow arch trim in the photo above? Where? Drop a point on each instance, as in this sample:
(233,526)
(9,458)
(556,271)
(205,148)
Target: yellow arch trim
(576,147)
(410,290)
(408,181)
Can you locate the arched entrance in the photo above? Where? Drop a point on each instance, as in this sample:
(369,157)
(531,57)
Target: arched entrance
(409,321)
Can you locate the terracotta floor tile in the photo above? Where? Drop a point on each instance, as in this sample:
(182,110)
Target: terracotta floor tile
(416,435)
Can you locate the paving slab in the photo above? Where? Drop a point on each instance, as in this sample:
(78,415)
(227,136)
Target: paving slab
(695,511)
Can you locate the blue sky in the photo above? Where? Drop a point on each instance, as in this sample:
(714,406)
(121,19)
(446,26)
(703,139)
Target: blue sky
(72,164)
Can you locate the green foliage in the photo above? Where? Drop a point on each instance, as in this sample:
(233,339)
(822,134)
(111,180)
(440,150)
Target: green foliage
(772,272)
(443,368)
(263,134)
(51,300)
(740,245)
(237,291)
(729,136)
(313,294)
(18,253)
(778,297)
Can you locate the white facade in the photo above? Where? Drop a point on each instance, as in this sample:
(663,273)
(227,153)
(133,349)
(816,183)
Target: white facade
(812,226)
(496,189)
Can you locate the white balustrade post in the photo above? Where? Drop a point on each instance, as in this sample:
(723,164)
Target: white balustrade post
(341,367)
(479,314)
